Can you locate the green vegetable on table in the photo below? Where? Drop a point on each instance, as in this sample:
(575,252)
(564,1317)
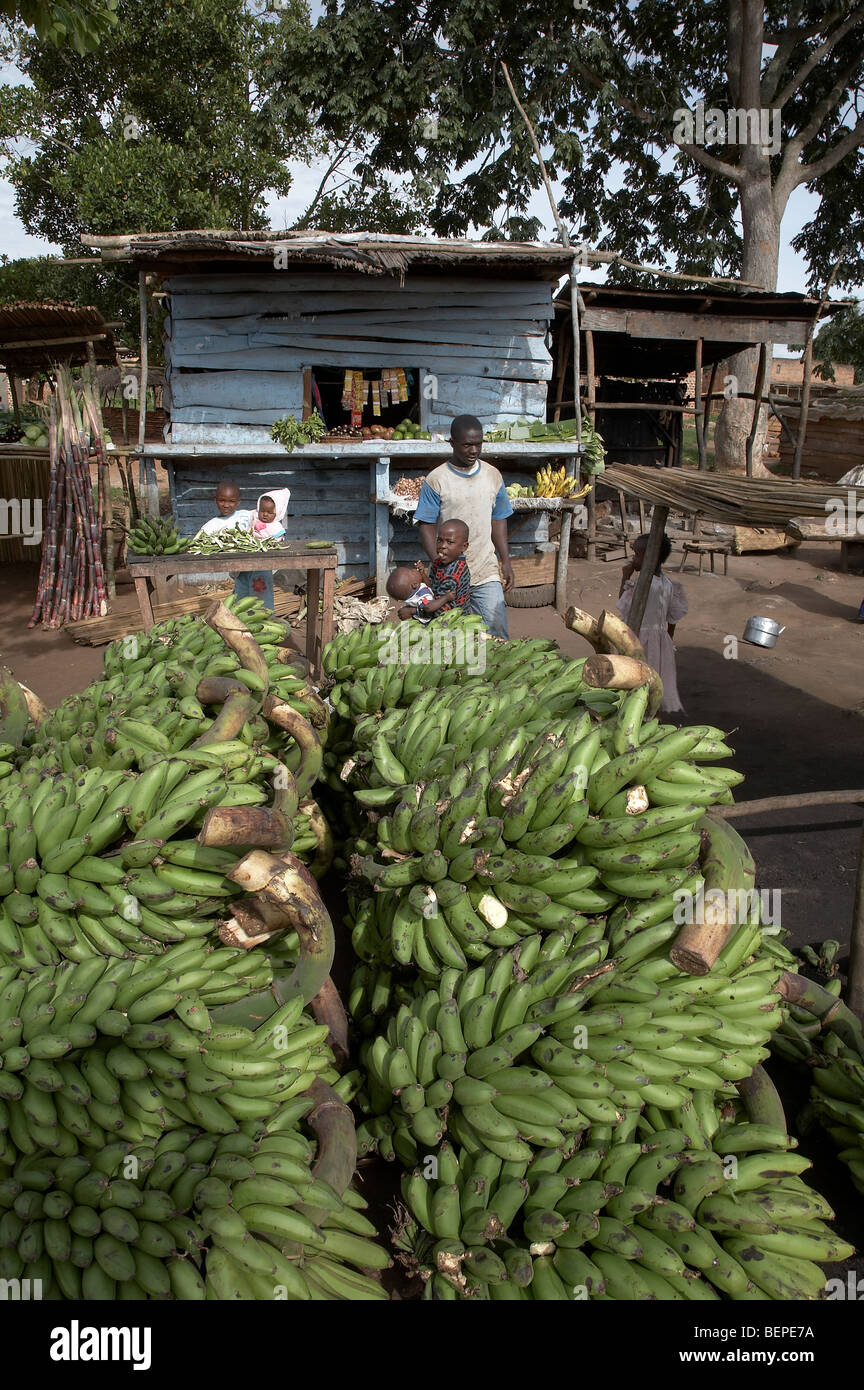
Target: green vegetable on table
(289,431)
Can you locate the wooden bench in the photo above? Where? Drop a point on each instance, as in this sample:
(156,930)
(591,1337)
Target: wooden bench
(703,548)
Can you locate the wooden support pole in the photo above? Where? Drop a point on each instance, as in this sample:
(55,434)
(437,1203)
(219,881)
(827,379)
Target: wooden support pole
(699,419)
(659,517)
(562,374)
(757,406)
(794,802)
(591,401)
(143,374)
(382,525)
(13,396)
(855,998)
(563,558)
(805,407)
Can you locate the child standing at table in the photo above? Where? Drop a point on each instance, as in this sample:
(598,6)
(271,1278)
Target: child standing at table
(267,522)
(667,604)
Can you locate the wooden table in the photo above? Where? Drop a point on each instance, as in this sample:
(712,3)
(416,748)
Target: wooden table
(293,556)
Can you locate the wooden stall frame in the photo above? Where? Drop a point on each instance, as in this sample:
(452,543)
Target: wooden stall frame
(295,557)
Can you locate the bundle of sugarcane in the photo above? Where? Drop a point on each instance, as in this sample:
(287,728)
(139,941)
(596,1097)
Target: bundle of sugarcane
(71,581)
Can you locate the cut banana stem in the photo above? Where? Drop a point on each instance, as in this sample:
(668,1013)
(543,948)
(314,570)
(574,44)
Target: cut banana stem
(237,708)
(584,624)
(729,872)
(214,690)
(616,636)
(618,672)
(236,635)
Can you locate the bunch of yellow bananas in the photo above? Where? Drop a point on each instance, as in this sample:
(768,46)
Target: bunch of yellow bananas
(558,484)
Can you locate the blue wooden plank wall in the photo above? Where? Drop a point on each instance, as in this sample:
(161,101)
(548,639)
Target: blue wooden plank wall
(237,345)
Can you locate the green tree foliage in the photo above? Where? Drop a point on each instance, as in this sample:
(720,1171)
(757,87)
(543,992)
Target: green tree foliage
(842,340)
(81,24)
(167,126)
(605,86)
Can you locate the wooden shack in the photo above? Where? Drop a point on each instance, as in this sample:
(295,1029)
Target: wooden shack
(653,356)
(367,329)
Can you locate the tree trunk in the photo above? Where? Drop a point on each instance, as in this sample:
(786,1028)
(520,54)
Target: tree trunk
(761,235)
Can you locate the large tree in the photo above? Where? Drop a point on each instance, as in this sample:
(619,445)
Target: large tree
(622,96)
(166,126)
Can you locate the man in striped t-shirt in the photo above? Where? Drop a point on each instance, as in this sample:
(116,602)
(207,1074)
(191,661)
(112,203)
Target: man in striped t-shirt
(468,488)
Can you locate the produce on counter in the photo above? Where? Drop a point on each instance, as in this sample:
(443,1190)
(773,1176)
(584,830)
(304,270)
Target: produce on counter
(409,487)
(519,846)
(290,431)
(32,431)
(157,536)
(232,539)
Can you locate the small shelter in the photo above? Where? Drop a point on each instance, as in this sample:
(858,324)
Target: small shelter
(639,346)
(368,329)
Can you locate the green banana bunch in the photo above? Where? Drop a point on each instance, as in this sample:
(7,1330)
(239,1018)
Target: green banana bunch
(157,536)
(150,1145)
(698,1208)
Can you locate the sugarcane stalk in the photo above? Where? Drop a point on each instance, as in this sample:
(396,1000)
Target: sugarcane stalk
(762,1099)
(236,635)
(728,870)
(616,636)
(324,847)
(49,538)
(584,625)
(277,711)
(615,672)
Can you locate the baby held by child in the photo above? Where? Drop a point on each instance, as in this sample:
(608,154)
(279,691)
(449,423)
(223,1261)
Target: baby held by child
(448,584)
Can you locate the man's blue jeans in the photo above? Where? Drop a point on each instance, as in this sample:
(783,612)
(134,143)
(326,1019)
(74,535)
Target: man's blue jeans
(488,601)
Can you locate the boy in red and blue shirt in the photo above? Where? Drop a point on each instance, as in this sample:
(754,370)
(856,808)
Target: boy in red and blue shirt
(449,581)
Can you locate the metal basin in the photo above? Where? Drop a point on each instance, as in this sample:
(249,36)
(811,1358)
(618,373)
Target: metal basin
(762,632)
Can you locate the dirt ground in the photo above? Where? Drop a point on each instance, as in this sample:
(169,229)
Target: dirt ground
(794,715)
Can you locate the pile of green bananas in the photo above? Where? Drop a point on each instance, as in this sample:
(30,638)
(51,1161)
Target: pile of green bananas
(820,1035)
(152,1079)
(698,1206)
(545,1040)
(150,1150)
(157,536)
(515,885)
(363,679)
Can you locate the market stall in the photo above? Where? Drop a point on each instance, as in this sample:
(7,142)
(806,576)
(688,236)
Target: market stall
(380,336)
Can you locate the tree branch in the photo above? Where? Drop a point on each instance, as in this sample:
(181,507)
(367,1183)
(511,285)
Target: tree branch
(733,52)
(647,117)
(824,107)
(816,57)
(853,140)
(717,166)
(786,44)
(319,192)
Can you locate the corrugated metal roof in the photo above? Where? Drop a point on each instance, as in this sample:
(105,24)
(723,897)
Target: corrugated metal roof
(374,252)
